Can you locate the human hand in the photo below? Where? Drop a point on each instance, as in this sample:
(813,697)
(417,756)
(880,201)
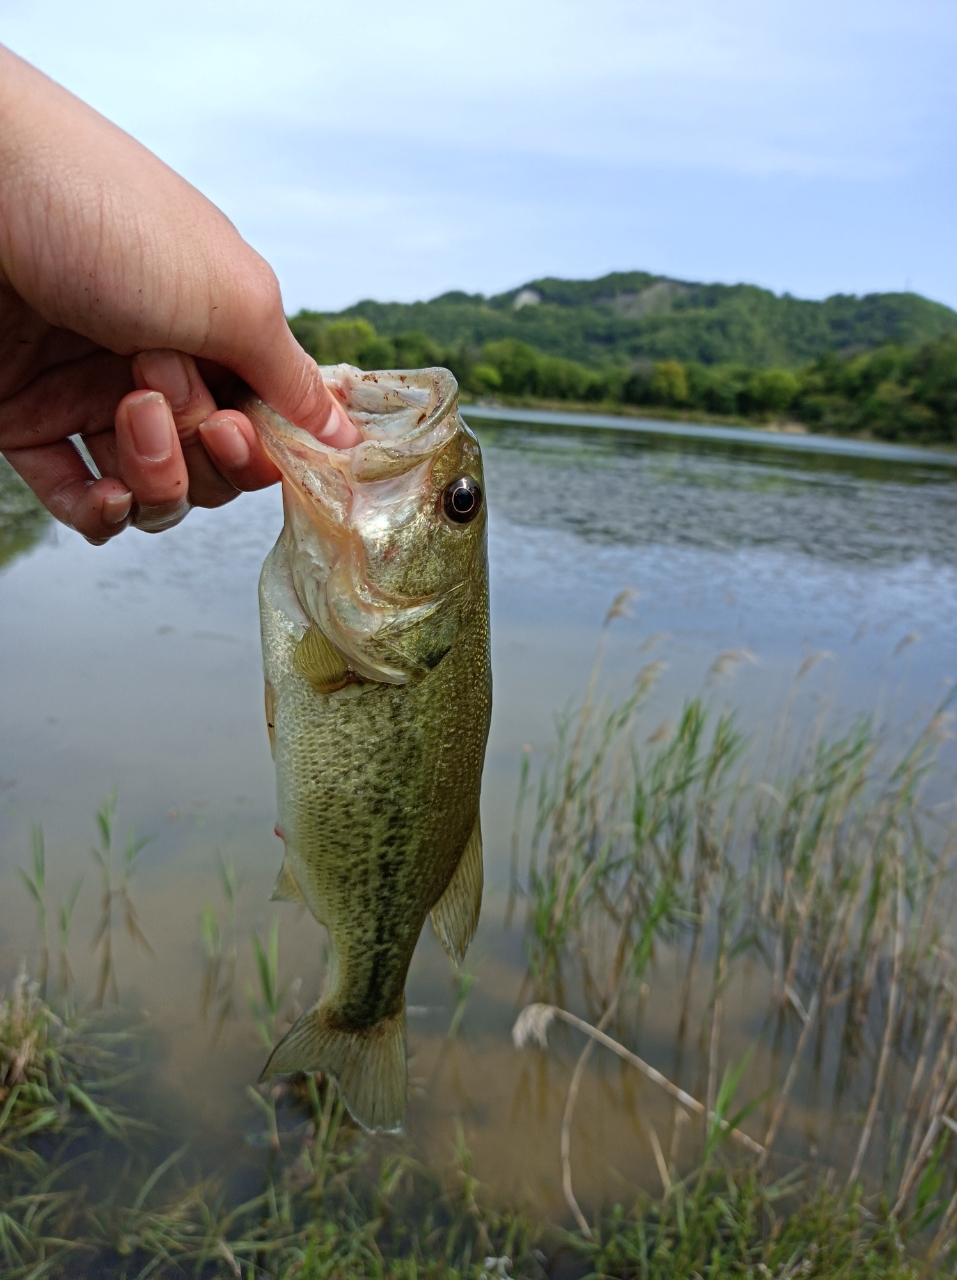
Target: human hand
(129,308)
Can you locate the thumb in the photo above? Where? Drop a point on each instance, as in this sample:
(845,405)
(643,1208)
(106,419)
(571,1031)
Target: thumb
(288,379)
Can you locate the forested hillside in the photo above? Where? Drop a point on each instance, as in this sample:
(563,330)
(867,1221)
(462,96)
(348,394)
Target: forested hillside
(634,316)
(883,365)
(894,391)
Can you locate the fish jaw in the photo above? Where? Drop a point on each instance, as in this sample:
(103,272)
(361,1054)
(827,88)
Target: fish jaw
(355,518)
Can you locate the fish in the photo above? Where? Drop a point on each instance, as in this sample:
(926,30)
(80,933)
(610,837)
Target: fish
(374,611)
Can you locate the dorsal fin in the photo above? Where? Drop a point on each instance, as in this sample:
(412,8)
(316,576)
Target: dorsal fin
(322,665)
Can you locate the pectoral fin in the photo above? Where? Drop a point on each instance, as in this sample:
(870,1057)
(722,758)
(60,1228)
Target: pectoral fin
(322,665)
(455,915)
(286,889)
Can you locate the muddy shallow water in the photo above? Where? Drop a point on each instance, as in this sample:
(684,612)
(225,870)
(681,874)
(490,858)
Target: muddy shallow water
(137,665)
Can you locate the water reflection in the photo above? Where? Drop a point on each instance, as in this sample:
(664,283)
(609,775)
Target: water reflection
(609,487)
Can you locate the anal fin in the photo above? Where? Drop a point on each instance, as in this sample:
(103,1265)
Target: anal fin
(286,889)
(455,915)
(369,1064)
(322,665)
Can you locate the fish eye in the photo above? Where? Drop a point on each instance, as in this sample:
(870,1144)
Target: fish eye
(462,500)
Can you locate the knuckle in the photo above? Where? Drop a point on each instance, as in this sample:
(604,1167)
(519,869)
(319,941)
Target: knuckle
(261,295)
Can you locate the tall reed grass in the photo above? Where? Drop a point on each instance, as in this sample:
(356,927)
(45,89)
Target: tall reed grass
(816,879)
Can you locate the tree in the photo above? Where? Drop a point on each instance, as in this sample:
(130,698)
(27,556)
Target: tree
(669,385)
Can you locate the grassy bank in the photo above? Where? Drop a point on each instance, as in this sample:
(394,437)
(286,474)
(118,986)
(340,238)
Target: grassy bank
(86,1190)
(799,902)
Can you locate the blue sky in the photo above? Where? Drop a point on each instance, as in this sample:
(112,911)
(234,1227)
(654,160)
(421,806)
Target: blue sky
(398,150)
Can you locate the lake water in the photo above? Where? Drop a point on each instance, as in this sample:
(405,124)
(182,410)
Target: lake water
(137,665)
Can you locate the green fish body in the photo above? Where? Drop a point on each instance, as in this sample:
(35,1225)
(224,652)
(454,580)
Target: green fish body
(375,629)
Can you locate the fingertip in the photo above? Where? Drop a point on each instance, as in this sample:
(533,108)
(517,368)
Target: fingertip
(176,376)
(150,459)
(144,424)
(294,387)
(339,431)
(101,510)
(165,371)
(228,437)
(116,508)
(230,440)
(323,416)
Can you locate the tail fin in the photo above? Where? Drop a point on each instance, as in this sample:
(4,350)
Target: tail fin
(369,1066)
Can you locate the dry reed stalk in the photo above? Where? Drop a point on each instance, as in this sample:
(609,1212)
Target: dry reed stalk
(703,885)
(934,1085)
(532,1023)
(943,1103)
(777,983)
(874,935)
(917,1075)
(934,910)
(946,1225)
(566,1138)
(680,1120)
(619,608)
(717,1010)
(513,884)
(571,1098)
(805,905)
(888,1032)
(660,1161)
(844,915)
(700,922)
(943,1057)
(822,848)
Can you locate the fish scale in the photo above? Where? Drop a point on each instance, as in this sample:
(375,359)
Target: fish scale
(378,779)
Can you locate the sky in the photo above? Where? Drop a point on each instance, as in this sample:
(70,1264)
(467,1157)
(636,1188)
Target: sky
(396,151)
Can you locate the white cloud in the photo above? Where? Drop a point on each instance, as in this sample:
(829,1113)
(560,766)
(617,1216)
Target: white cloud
(310,120)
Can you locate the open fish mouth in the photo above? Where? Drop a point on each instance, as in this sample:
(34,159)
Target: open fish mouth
(403,417)
(333,497)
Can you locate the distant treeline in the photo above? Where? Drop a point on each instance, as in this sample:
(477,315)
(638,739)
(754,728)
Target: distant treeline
(894,392)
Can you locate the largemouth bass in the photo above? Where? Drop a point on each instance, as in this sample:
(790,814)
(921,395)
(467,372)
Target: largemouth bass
(374,611)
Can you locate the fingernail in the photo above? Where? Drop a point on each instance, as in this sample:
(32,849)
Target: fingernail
(226,442)
(166,371)
(116,507)
(151,427)
(159,519)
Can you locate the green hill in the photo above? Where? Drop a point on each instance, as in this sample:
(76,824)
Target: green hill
(882,365)
(630,317)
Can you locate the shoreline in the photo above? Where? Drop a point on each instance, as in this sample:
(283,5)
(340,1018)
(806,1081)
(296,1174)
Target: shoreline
(729,431)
